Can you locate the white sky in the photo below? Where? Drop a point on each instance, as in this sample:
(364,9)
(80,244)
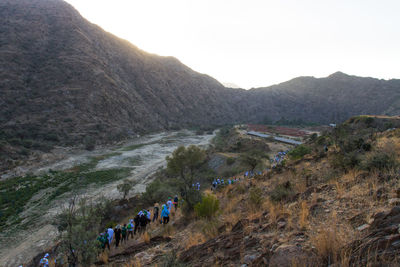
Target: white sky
(255,43)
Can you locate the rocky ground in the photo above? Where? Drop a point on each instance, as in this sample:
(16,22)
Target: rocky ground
(306,213)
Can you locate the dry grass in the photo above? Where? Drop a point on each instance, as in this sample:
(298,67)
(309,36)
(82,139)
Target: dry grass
(303,217)
(103,257)
(194,239)
(146,237)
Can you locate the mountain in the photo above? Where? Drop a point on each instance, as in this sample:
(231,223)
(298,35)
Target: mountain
(331,99)
(64,80)
(62,77)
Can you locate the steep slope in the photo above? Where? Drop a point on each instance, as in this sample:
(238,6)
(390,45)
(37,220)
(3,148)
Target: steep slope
(64,81)
(331,99)
(62,75)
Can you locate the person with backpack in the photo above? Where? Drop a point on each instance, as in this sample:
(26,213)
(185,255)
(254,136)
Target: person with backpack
(169,204)
(117,233)
(165,214)
(176,201)
(136,219)
(130,229)
(124,233)
(102,241)
(155,211)
(142,222)
(110,233)
(44,262)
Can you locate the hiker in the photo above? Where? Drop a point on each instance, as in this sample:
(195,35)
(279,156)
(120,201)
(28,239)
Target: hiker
(117,233)
(136,219)
(198,186)
(106,244)
(142,222)
(155,211)
(169,204)
(176,200)
(130,229)
(110,232)
(148,216)
(44,262)
(101,240)
(165,215)
(124,233)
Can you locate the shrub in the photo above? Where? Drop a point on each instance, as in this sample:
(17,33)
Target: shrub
(255,197)
(381,161)
(230,160)
(346,161)
(208,207)
(90,143)
(281,192)
(299,152)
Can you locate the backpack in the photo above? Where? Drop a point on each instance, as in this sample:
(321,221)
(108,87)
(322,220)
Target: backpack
(129,226)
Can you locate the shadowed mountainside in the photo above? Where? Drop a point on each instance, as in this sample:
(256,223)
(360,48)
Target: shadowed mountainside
(63,79)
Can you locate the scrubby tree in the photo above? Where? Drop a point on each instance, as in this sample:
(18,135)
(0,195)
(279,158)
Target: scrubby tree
(125,187)
(185,162)
(78,224)
(253,158)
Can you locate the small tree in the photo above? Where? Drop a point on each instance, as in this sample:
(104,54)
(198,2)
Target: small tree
(208,207)
(253,158)
(78,225)
(125,187)
(184,162)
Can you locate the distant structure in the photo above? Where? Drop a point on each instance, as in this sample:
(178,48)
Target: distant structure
(332,124)
(279,139)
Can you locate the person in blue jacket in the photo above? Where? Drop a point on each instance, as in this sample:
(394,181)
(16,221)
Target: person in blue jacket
(165,214)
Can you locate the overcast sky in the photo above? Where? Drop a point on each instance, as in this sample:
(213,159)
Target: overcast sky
(254,43)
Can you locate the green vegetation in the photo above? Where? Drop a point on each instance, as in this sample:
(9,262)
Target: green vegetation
(230,160)
(208,207)
(80,221)
(299,152)
(125,187)
(256,197)
(253,158)
(133,147)
(185,163)
(16,193)
(281,192)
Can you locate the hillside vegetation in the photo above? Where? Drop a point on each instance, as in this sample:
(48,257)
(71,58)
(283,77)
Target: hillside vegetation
(65,81)
(331,202)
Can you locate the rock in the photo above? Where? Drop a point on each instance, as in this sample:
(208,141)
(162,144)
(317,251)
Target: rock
(394,201)
(363,227)
(358,219)
(281,225)
(290,255)
(382,240)
(249,258)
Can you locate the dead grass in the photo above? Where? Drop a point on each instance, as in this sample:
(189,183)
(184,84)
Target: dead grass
(194,239)
(303,217)
(146,237)
(103,257)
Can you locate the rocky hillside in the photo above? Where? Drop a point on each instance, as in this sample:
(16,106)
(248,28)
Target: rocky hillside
(63,78)
(319,208)
(326,100)
(65,81)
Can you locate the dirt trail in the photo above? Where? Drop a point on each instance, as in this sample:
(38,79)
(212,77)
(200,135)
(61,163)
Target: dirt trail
(146,154)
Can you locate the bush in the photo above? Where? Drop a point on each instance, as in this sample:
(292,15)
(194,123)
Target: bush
(346,161)
(208,207)
(281,192)
(90,143)
(255,197)
(381,161)
(230,160)
(299,152)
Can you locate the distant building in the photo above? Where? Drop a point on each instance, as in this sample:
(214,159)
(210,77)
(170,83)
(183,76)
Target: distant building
(332,124)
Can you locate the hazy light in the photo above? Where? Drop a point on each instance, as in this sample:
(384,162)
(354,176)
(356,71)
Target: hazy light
(256,43)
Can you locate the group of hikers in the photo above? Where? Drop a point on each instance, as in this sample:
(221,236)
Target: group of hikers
(279,158)
(138,224)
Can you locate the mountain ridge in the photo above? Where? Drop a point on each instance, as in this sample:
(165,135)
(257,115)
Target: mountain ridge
(64,79)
